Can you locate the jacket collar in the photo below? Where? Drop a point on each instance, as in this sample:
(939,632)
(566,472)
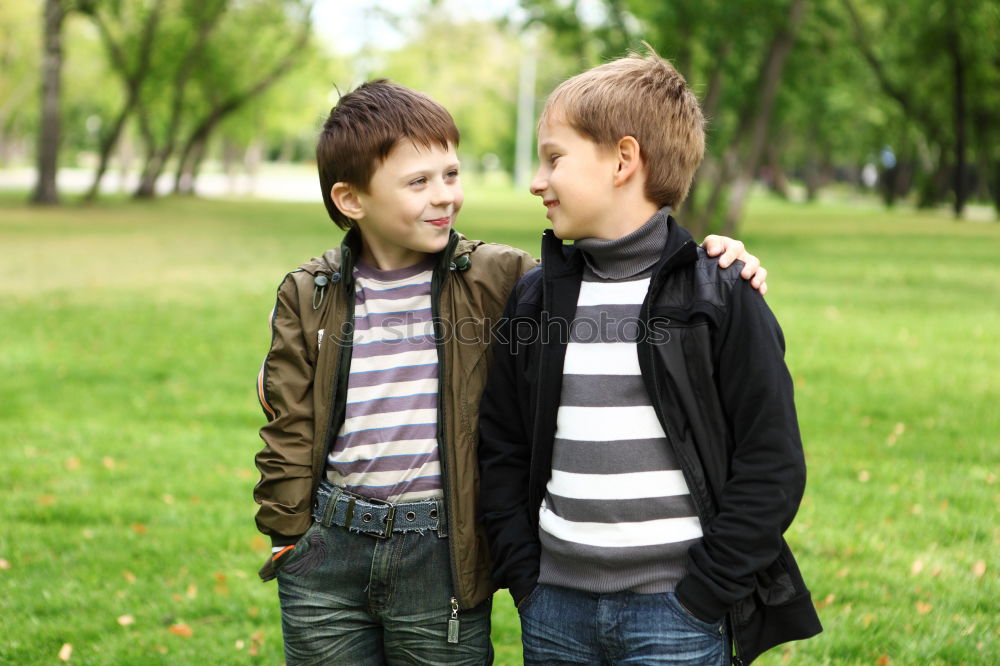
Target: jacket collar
(560,258)
(341,260)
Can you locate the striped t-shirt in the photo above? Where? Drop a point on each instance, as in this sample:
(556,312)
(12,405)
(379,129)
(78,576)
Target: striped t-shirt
(387,446)
(617,514)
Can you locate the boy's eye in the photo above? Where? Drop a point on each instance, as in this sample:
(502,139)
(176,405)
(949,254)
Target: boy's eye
(418,181)
(553,158)
(453,173)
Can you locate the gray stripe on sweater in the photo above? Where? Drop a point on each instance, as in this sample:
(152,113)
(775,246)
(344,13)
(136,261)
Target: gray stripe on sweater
(605,323)
(618,511)
(644,569)
(621,456)
(603,391)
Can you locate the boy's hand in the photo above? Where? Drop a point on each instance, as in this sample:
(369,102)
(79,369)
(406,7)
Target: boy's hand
(731,250)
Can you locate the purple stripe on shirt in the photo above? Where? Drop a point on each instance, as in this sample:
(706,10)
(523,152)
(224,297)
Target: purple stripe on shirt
(385,463)
(390,434)
(394,404)
(417,485)
(393,346)
(406,373)
(366,294)
(367,271)
(391,319)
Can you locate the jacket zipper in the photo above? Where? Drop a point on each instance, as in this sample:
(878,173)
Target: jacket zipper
(338,384)
(437,287)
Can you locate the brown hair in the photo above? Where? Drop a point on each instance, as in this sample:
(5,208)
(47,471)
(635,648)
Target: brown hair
(365,126)
(646,98)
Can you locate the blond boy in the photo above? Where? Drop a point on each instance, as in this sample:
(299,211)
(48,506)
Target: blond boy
(639,451)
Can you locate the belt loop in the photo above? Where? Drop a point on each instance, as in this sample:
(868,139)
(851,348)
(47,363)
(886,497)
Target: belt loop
(331,507)
(442,528)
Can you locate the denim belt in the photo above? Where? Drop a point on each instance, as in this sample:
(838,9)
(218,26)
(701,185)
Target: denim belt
(336,506)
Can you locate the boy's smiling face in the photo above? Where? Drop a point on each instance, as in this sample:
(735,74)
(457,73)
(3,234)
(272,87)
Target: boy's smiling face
(575,178)
(410,206)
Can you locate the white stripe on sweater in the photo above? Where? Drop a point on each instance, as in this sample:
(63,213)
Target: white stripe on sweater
(630,485)
(601,358)
(620,535)
(619,293)
(608,424)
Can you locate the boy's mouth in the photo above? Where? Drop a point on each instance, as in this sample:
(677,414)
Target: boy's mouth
(550,204)
(440,222)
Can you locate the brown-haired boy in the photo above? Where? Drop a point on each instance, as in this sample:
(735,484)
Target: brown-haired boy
(639,451)
(371,388)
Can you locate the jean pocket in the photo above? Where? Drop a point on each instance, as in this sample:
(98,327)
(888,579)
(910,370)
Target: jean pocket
(530,599)
(712,628)
(308,554)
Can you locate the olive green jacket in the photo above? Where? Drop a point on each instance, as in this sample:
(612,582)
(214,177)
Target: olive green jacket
(302,387)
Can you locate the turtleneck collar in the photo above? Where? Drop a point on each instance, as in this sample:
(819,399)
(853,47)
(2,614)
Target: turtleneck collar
(630,255)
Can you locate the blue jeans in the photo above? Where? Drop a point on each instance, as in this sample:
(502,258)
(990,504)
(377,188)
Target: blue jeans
(350,598)
(564,626)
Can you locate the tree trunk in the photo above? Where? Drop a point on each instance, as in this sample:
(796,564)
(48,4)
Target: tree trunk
(770,80)
(46,191)
(958,75)
(203,130)
(133,83)
(776,172)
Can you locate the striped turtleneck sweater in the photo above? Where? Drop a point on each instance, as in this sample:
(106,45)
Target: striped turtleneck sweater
(617,514)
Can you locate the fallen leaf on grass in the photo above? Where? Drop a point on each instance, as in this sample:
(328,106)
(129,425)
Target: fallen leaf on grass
(820,605)
(843,573)
(126,620)
(72,463)
(868,619)
(884,660)
(220,577)
(46,500)
(129,577)
(923,607)
(4,564)
(258,544)
(864,476)
(65,652)
(168,499)
(192,591)
(979,569)
(917,567)
(240,644)
(181,629)
(139,528)
(108,462)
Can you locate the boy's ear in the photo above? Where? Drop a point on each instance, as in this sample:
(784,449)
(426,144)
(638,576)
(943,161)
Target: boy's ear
(629,160)
(347,201)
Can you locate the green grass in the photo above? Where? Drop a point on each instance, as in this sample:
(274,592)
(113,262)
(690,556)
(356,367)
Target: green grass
(131,336)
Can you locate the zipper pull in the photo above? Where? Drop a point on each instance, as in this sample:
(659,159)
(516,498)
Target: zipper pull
(453,623)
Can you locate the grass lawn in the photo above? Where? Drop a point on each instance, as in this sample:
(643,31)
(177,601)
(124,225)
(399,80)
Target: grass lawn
(130,341)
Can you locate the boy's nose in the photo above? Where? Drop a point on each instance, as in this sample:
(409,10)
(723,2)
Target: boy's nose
(538,184)
(443,195)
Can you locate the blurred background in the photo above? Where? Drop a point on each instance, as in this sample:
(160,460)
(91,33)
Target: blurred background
(897,98)
(157,181)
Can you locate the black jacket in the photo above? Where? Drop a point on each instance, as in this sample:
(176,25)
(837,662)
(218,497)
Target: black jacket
(712,358)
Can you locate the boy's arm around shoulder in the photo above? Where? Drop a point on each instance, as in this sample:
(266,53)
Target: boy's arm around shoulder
(284,388)
(766,465)
(504,463)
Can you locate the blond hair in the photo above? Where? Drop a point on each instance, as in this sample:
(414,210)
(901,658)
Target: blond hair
(644,97)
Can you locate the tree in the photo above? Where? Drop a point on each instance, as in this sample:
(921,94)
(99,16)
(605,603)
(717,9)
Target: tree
(45,191)
(133,75)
